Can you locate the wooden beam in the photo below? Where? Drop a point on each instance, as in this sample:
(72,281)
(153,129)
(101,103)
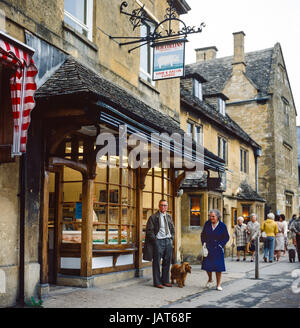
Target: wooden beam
(86,228)
(58,161)
(44,236)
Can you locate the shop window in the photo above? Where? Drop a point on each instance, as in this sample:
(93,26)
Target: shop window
(195,211)
(115,206)
(244,160)
(246,209)
(222,148)
(146,54)
(197,89)
(6,116)
(79,15)
(158,185)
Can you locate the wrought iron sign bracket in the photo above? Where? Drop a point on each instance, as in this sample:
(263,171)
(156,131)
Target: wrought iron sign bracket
(138,17)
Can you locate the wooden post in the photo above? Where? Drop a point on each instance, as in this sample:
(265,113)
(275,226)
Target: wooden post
(139,224)
(58,218)
(44,237)
(87,227)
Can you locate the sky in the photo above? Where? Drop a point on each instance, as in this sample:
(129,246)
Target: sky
(265,22)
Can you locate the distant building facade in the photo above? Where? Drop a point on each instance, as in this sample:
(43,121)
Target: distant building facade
(261,103)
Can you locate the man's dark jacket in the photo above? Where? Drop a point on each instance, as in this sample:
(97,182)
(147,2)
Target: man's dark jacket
(152,229)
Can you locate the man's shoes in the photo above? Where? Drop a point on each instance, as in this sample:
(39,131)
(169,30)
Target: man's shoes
(168,285)
(270,261)
(159,286)
(265,259)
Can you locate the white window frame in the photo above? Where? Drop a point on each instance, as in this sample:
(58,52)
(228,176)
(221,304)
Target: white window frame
(143,73)
(89,18)
(198,137)
(222,106)
(197,88)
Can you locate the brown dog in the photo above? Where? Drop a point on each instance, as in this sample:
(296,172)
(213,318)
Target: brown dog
(179,272)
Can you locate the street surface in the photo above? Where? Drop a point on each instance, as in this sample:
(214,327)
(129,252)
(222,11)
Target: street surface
(275,288)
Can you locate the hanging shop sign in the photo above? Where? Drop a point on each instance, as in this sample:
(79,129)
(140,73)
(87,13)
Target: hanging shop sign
(168,59)
(168,43)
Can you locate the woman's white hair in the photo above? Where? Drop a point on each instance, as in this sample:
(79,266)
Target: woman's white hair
(240,218)
(271,216)
(216,212)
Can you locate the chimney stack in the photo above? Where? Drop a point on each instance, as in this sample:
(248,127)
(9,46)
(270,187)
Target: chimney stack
(239,63)
(204,54)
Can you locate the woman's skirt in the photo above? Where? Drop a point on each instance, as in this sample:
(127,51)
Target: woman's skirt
(214,262)
(279,243)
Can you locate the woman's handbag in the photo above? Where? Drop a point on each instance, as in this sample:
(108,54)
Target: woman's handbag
(263,237)
(205,250)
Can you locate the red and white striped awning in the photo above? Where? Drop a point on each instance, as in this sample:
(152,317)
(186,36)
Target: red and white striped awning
(22,88)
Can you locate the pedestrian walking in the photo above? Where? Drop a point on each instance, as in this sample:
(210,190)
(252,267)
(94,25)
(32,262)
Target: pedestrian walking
(240,237)
(296,229)
(271,229)
(285,233)
(252,232)
(279,239)
(215,236)
(160,233)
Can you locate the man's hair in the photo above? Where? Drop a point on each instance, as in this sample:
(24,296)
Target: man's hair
(162,200)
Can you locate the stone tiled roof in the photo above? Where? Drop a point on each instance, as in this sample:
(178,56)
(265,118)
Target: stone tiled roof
(247,193)
(218,71)
(224,122)
(75,79)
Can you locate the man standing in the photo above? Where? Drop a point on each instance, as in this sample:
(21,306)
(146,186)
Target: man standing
(160,233)
(296,229)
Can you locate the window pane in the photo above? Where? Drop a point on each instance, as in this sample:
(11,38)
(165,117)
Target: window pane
(99,234)
(147,200)
(113,216)
(125,217)
(148,183)
(100,211)
(114,175)
(72,192)
(125,197)
(114,195)
(101,192)
(157,184)
(113,235)
(195,214)
(125,177)
(101,174)
(77,9)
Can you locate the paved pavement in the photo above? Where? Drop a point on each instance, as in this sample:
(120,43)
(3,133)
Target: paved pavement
(275,288)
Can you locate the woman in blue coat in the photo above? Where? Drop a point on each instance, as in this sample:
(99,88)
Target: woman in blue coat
(216,236)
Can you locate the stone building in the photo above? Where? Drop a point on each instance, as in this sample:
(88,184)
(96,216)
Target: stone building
(71,221)
(261,103)
(204,115)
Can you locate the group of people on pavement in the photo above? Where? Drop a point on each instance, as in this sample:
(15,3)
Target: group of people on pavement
(160,233)
(274,234)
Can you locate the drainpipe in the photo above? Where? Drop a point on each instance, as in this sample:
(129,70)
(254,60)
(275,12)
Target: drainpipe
(257,153)
(21,299)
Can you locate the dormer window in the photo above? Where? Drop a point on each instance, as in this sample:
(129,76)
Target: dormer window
(197,89)
(222,106)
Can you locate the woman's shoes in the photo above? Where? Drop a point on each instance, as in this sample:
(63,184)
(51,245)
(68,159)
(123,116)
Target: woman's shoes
(209,284)
(219,288)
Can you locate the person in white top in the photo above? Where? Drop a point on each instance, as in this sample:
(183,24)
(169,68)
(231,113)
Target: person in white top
(285,233)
